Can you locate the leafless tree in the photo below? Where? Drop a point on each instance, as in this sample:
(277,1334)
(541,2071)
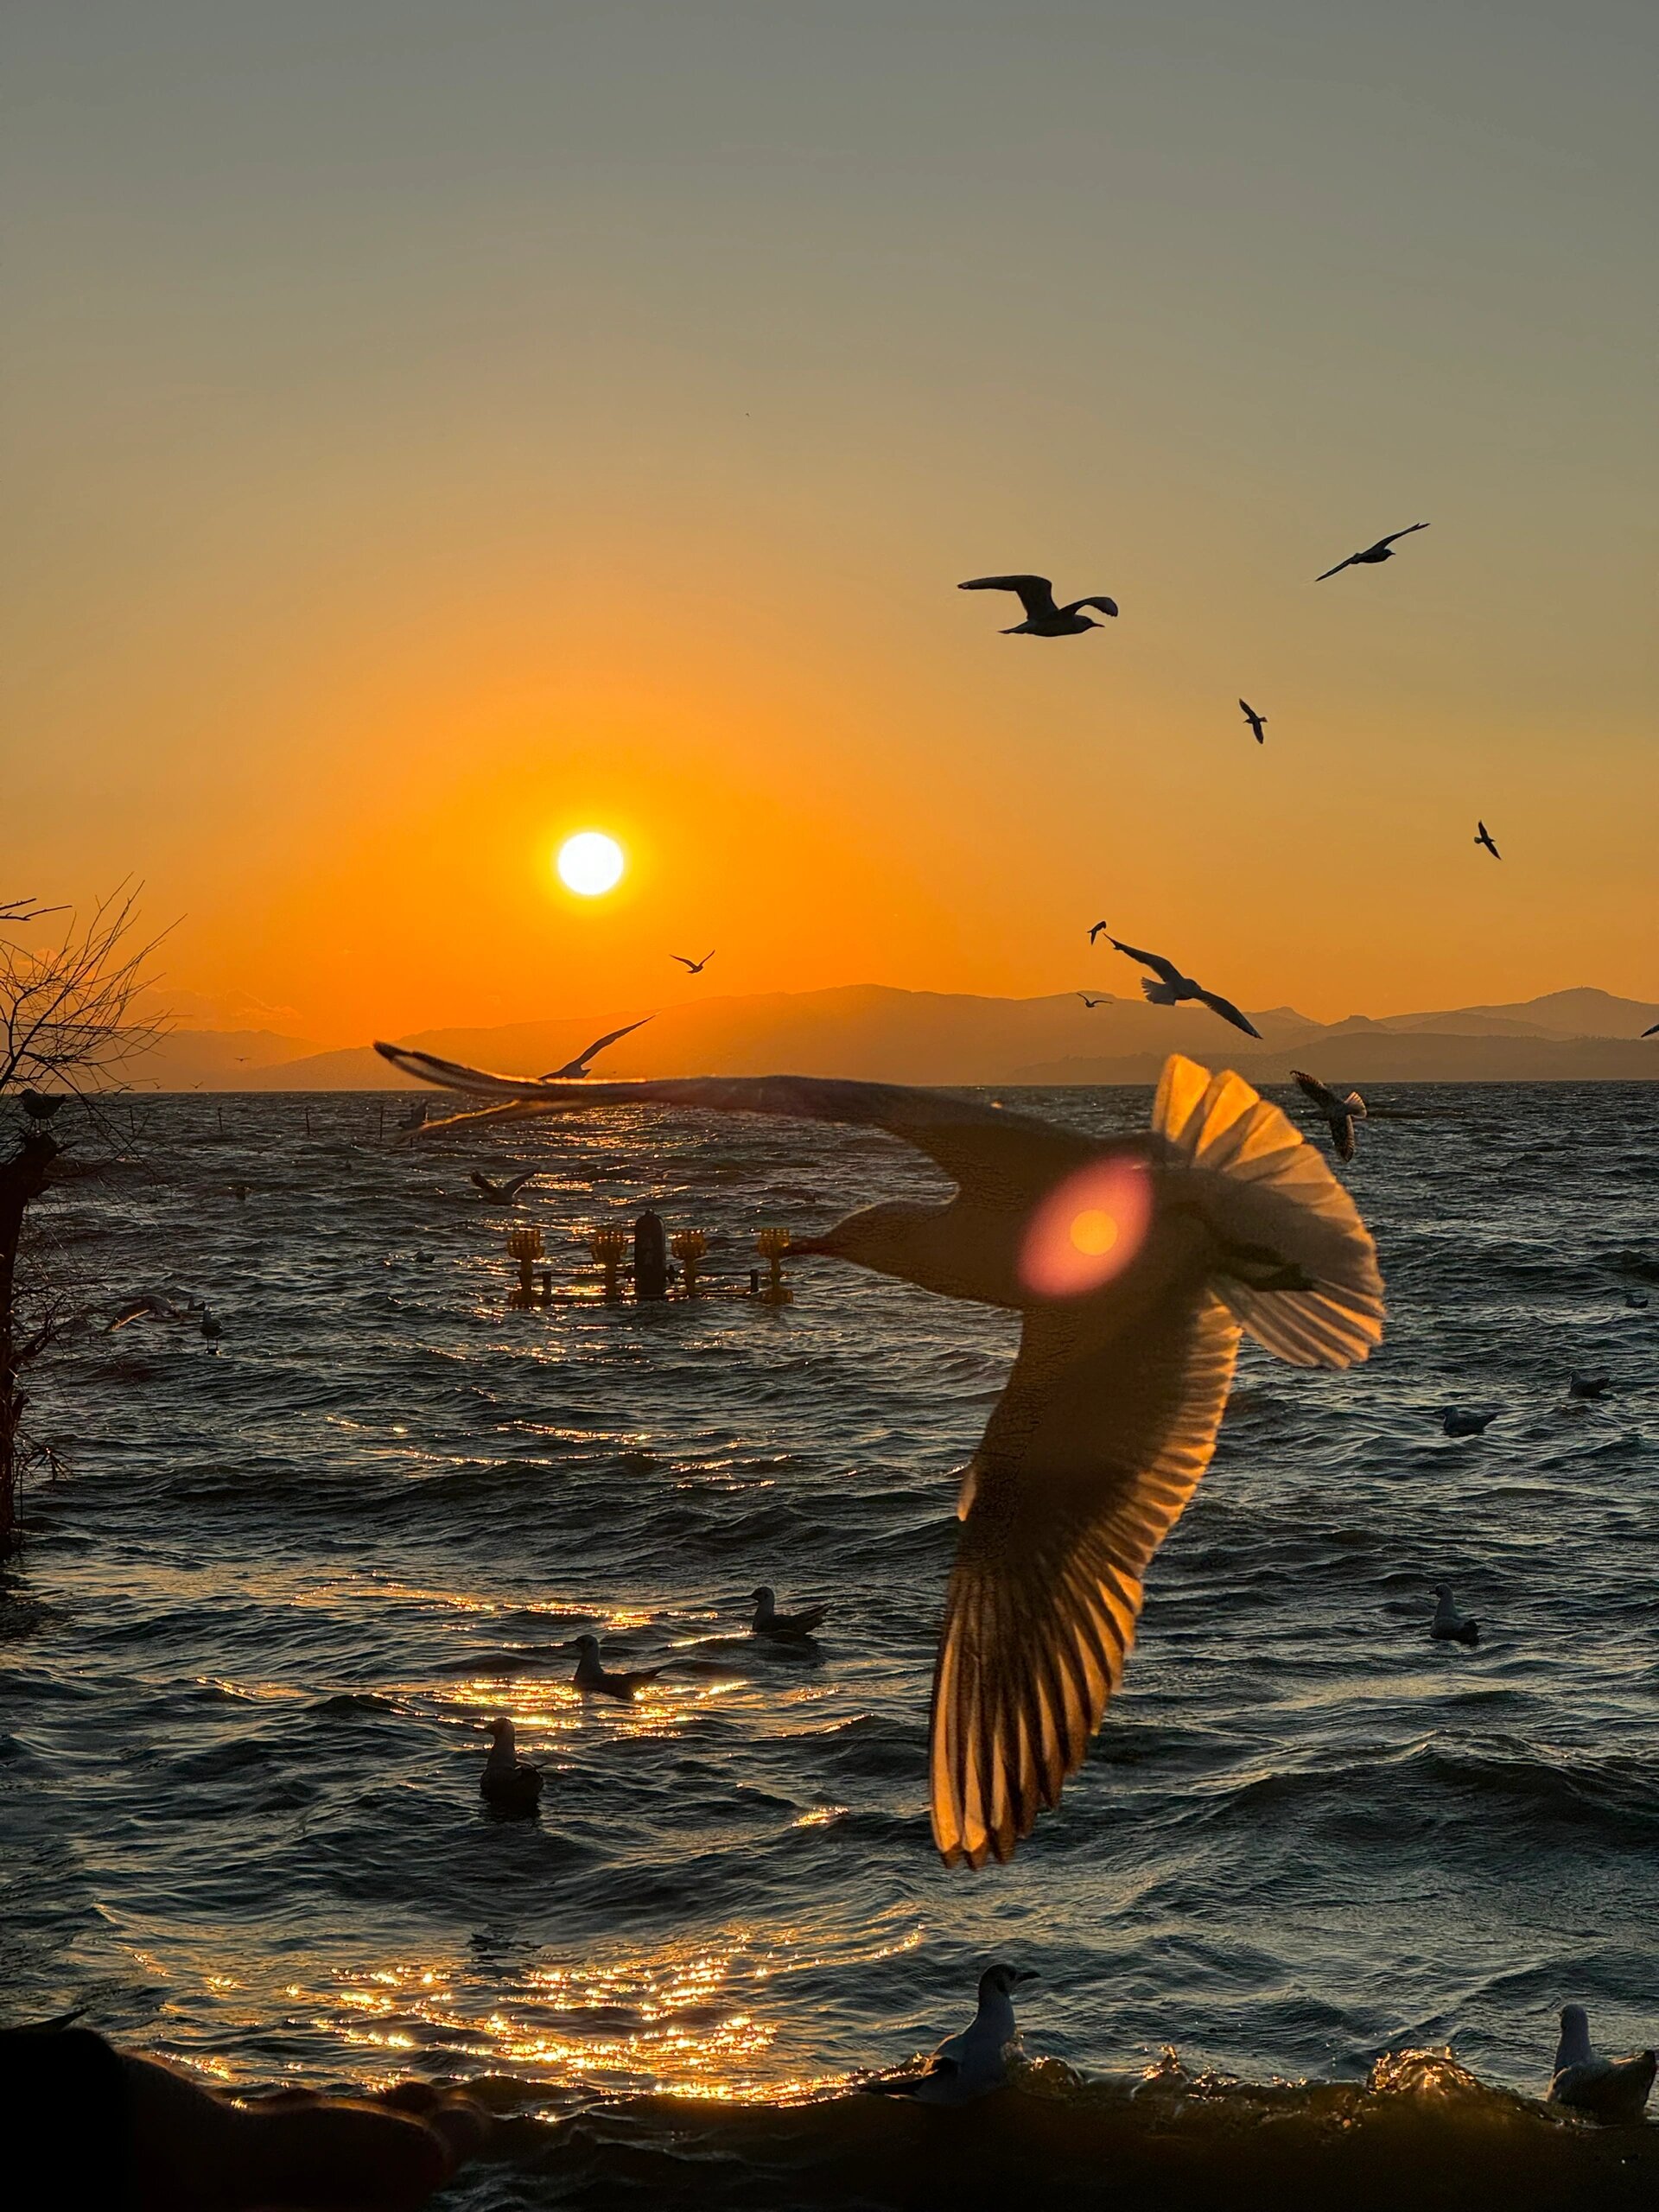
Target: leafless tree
(68,1027)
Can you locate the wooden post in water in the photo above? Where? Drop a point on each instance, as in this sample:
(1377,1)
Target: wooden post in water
(609,1247)
(688,1246)
(772,1244)
(524,1245)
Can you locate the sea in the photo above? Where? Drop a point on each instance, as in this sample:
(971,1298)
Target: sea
(1304,1921)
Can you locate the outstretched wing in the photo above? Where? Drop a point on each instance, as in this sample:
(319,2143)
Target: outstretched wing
(589,1051)
(1229,1012)
(1090,1457)
(514,1184)
(1036,593)
(1311,1087)
(1337,570)
(1106,606)
(683,962)
(1396,534)
(1155,961)
(1654,1031)
(967,1139)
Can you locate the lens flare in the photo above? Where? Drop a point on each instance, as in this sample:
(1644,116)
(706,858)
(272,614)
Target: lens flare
(590,863)
(1087,1231)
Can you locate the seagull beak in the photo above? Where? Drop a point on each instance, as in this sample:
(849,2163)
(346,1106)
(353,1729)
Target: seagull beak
(1026,1974)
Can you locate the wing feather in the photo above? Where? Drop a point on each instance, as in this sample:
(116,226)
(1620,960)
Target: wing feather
(1036,593)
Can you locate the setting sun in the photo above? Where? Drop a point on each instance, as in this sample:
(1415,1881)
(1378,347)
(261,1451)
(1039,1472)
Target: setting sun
(590,863)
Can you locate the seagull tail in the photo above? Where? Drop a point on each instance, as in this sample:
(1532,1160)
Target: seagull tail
(1268,1197)
(1158,993)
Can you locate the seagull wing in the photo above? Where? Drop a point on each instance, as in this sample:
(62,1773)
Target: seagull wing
(574,1067)
(1089,1457)
(1337,570)
(683,962)
(1342,1134)
(1396,534)
(1311,1087)
(1654,1031)
(1229,1012)
(483,1183)
(967,1138)
(1155,961)
(514,1184)
(1106,606)
(1036,593)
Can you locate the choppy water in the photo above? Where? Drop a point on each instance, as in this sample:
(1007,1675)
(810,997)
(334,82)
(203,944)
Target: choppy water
(261,1619)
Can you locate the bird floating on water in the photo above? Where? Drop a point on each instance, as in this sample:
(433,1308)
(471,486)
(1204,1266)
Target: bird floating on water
(508,1784)
(1258,722)
(506,1191)
(1462,1421)
(151,1306)
(591,1674)
(1043,618)
(1483,836)
(768,1621)
(579,1065)
(1135,1263)
(1382,551)
(975,2061)
(1448,1625)
(1636,1297)
(1174,988)
(212,1327)
(1586,1386)
(1340,1113)
(693,967)
(1611,2089)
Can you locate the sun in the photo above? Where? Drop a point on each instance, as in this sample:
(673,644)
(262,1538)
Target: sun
(590,863)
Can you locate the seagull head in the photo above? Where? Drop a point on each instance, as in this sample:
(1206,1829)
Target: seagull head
(763,1596)
(1574,2048)
(1002,1981)
(585,1644)
(500,1730)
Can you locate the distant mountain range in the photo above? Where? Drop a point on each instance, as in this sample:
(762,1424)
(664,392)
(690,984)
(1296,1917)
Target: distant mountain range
(929,1037)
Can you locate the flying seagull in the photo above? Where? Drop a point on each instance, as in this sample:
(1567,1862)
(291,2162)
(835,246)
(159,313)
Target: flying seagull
(1092,1003)
(1609,2088)
(1485,837)
(1175,987)
(969,2065)
(1382,551)
(1095,931)
(1654,1031)
(768,1621)
(1340,1113)
(579,1065)
(695,967)
(508,1189)
(1133,1262)
(1258,722)
(1043,618)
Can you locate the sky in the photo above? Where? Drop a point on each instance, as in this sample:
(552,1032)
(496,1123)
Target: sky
(432,429)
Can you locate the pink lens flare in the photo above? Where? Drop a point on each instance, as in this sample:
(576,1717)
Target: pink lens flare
(1087,1230)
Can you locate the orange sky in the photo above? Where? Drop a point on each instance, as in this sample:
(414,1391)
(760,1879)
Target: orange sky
(434,432)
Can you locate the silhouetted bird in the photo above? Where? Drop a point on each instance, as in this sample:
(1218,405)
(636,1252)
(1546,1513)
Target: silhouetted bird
(1258,722)
(1462,1421)
(1095,931)
(1483,836)
(579,1065)
(1610,2089)
(591,1674)
(695,967)
(1448,1625)
(38,1106)
(972,2063)
(1654,1031)
(1340,1114)
(1175,987)
(212,1327)
(1043,618)
(1092,1003)
(1586,1386)
(768,1621)
(506,1192)
(1133,1261)
(508,1784)
(1382,551)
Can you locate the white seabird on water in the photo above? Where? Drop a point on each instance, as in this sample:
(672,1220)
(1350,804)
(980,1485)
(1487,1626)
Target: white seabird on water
(1448,1625)
(1340,1114)
(592,1674)
(768,1621)
(508,1784)
(972,2063)
(1610,2089)
(1135,1263)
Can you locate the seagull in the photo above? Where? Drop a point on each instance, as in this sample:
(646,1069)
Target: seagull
(1460,1421)
(768,1621)
(1586,1386)
(1382,551)
(970,2064)
(1340,1113)
(1092,1003)
(1654,1031)
(1636,1297)
(38,1106)
(579,1065)
(508,1784)
(1175,987)
(1448,1625)
(1485,837)
(212,1327)
(692,967)
(1133,1261)
(416,1117)
(506,1191)
(1258,722)
(1043,618)
(148,1305)
(1095,931)
(1614,2090)
(590,1673)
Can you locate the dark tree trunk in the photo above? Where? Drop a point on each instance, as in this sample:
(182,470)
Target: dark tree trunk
(23,1178)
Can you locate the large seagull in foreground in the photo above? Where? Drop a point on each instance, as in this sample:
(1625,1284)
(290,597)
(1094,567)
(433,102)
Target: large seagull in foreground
(1135,1263)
